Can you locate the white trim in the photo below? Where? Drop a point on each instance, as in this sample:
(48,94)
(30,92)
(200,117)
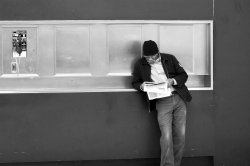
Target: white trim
(212,55)
(16,75)
(119,74)
(81,90)
(18,25)
(73,75)
(77,22)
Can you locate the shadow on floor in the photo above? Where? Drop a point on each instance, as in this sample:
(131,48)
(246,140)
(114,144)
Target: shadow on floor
(186,161)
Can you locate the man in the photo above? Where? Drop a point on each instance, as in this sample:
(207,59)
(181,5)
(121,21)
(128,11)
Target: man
(170,103)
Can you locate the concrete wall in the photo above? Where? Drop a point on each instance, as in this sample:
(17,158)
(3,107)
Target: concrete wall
(105,10)
(49,127)
(86,126)
(232,122)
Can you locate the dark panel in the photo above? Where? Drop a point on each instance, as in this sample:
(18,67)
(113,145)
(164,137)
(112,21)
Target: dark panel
(108,9)
(232,79)
(51,127)
(86,126)
(200,125)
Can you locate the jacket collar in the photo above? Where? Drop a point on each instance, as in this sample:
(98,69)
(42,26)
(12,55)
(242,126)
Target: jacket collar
(163,58)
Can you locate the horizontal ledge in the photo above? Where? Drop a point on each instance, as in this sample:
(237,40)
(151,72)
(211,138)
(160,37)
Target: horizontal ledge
(83,90)
(74,75)
(41,22)
(19,75)
(119,74)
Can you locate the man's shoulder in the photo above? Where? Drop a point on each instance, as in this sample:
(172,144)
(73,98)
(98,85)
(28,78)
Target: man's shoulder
(167,56)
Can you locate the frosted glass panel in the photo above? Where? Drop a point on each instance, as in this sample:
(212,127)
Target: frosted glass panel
(201,49)
(150,32)
(124,46)
(72,50)
(22,65)
(178,40)
(98,49)
(1,52)
(46,52)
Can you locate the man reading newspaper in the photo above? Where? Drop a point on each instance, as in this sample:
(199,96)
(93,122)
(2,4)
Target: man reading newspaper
(162,79)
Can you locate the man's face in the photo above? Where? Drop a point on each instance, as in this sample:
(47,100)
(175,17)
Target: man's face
(152,58)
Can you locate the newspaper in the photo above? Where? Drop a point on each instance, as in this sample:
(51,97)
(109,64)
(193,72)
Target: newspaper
(157,90)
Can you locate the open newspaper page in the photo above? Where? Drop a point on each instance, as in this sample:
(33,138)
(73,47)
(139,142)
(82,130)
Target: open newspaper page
(157,90)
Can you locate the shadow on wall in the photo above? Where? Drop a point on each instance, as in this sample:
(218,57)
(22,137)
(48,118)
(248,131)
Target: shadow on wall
(135,50)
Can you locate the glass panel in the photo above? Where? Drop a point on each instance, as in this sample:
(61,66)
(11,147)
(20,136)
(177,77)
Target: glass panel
(72,50)
(26,63)
(98,49)
(178,40)
(46,45)
(1,52)
(124,46)
(150,32)
(201,49)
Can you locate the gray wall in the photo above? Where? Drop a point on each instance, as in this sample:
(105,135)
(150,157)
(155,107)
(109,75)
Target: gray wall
(232,120)
(102,10)
(85,126)
(49,127)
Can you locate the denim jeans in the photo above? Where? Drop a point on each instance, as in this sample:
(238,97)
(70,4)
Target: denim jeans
(171,115)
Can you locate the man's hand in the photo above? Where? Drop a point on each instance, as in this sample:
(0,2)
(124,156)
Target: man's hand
(170,81)
(142,86)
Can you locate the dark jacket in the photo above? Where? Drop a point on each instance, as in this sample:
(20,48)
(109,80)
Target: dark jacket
(172,68)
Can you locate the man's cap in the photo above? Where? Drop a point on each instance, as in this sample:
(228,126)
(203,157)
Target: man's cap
(150,48)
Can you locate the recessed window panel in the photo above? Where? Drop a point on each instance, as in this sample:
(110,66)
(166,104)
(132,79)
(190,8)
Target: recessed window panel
(1,52)
(98,55)
(124,47)
(72,50)
(178,40)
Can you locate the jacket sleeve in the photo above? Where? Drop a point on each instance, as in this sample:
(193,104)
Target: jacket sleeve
(137,78)
(181,75)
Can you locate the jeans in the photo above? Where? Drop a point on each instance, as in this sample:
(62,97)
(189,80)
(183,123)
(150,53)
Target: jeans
(171,115)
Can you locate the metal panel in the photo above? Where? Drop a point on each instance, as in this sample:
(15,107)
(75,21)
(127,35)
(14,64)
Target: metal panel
(1,51)
(124,46)
(201,52)
(46,53)
(98,50)
(72,49)
(150,32)
(178,40)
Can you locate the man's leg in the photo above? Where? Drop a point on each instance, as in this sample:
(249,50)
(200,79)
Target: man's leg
(164,115)
(179,127)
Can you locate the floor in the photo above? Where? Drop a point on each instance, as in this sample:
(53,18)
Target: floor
(187,161)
